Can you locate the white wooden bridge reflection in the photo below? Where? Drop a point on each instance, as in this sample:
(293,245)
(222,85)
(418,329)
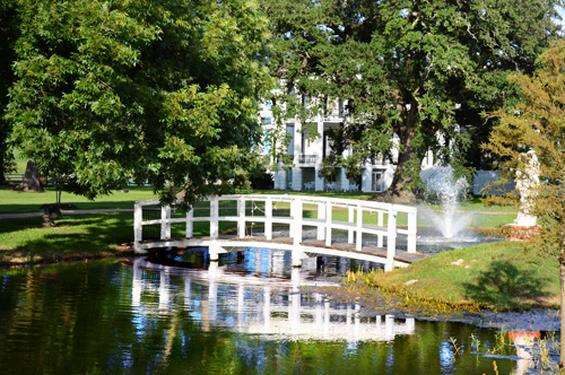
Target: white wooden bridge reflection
(368,240)
(263,307)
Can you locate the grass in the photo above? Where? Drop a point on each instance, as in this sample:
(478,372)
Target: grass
(504,275)
(19,202)
(25,240)
(484,217)
(497,276)
(12,201)
(74,237)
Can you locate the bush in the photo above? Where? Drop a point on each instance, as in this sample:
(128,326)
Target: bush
(510,200)
(261,179)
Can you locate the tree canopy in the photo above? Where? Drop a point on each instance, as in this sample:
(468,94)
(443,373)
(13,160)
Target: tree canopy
(425,71)
(165,92)
(9,26)
(537,122)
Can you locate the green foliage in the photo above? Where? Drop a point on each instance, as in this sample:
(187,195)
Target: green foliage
(9,19)
(416,69)
(162,92)
(353,165)
(504,200)
(259,177)
(330,167)
(537,122)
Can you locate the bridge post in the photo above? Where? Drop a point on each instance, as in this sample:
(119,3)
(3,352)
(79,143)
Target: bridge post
(389,327)
(390,240)
(269,219)
(189,222)
(412,231)
(351,220)
(296,231)
(321,217)
(329,213)
(380,223)
(296,208)
(214,215)
(296,257)
(213,248)
(137,227)
(241,217)
(165,223)
(359,243)
(214,251)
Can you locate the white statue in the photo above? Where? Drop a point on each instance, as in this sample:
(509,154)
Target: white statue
(527,182)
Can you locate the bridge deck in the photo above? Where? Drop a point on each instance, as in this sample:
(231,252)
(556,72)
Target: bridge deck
(400,256)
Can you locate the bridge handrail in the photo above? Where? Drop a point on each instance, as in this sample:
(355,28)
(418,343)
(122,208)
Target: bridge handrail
(310,198)
(324,223)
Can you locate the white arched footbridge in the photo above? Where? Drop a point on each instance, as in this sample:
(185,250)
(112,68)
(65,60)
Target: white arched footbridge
(302,224)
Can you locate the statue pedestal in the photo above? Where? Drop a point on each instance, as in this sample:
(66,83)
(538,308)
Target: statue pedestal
(525,220)
(515,232)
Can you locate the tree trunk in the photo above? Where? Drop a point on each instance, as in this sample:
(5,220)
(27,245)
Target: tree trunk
(562,311)
(31,181)
(403,177)
(3,151)
(2,168)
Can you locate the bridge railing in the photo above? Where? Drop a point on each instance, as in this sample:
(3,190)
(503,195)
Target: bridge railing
(356,217)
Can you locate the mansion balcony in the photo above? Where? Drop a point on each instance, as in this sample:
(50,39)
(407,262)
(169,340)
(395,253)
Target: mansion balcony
(305,159)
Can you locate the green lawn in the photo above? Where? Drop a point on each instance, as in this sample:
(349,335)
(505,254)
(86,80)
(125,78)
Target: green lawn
(96,234)
(26,241)
(85,236)
(17,202)
(503,275)
(12,201)
(484,217)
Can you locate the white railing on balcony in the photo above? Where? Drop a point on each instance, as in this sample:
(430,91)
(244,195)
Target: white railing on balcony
(307,159)
(384,226)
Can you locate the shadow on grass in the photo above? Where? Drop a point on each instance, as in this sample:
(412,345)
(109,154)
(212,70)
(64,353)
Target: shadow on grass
(64,221)
(78,237)
(505,286)
(24,207)
(73,238)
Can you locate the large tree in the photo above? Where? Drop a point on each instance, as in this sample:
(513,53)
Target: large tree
(537,122)
(422,70)
(9,26)
(165,92)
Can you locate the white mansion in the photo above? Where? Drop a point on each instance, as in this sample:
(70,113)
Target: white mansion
(307,156)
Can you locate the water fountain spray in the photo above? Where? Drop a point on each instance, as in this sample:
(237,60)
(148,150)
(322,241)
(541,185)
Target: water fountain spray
(442,186)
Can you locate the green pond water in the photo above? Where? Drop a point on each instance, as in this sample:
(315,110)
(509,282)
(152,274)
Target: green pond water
(249,314)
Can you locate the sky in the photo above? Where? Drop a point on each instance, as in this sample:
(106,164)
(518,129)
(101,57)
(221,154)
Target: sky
(561,22)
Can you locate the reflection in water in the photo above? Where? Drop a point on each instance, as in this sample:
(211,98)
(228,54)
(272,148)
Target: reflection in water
(261,310)
(247,314)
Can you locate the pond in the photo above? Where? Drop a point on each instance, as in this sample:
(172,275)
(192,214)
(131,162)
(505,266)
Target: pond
(251,313)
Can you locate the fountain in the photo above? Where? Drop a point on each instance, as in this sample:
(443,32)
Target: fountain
(442,187)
